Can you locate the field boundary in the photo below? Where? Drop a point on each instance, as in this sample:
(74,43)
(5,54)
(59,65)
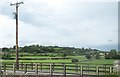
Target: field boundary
(62,69)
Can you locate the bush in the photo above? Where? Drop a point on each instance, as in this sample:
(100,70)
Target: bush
(117,57)
(64,55)
(74,60)
(52,55)
(112,55)
(88,55)
(6,56)
(1,72)
(107,56)
(21,55)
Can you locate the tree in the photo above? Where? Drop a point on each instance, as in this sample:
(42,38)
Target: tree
(93,54)
(25,49)
(74,60)
(6,56)
(64,55)
(5,49)
(113,53)
(97,55)
(88,55)
(117,56)
(14,47)
(107,56)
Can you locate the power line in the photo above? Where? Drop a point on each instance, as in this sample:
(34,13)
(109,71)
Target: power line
(16,17)
(45,12)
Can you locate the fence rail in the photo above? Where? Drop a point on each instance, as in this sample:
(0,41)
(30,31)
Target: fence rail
(58,69)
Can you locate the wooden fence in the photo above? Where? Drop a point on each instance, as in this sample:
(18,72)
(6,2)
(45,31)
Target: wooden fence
(58,69)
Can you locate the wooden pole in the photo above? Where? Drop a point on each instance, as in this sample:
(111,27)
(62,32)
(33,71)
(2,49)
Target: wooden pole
(97,70)
(25,68)
(4,67)
(14,69)
(51,70)
(16,16)
(64,70)
(36,68)
(81,70)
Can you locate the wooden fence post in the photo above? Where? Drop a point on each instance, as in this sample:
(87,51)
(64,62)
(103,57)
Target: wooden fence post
(88,68)
(4,67)
(14,67)
(76,67)
(53,66)
(1,73)
(97,70)
(25,68)
(105,69)
(64,70)
(41,66)
(22,65)
(31,65)
(110,70)
(36,68)
(81,70)
(51,70)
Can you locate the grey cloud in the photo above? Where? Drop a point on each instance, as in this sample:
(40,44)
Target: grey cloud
(107,47)
(75,24)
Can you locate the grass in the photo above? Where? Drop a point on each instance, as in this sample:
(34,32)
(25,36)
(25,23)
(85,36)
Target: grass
(70,66)
(101,61)
(37,57)
(80,58)
(93,61)
(67,61)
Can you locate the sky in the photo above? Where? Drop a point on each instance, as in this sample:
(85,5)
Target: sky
(65,23)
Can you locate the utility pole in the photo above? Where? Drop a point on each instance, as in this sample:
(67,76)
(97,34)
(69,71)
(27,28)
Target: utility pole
(16,17)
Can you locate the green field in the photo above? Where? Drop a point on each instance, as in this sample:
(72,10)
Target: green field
(101,61)
(62,61)
(82,59)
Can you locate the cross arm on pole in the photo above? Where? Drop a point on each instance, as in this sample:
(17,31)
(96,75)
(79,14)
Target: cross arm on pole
(16,3)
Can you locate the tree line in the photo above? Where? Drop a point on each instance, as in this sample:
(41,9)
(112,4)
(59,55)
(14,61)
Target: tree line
(50,49)
(64,51)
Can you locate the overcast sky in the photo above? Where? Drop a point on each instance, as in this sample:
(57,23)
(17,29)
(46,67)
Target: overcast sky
(69,23)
